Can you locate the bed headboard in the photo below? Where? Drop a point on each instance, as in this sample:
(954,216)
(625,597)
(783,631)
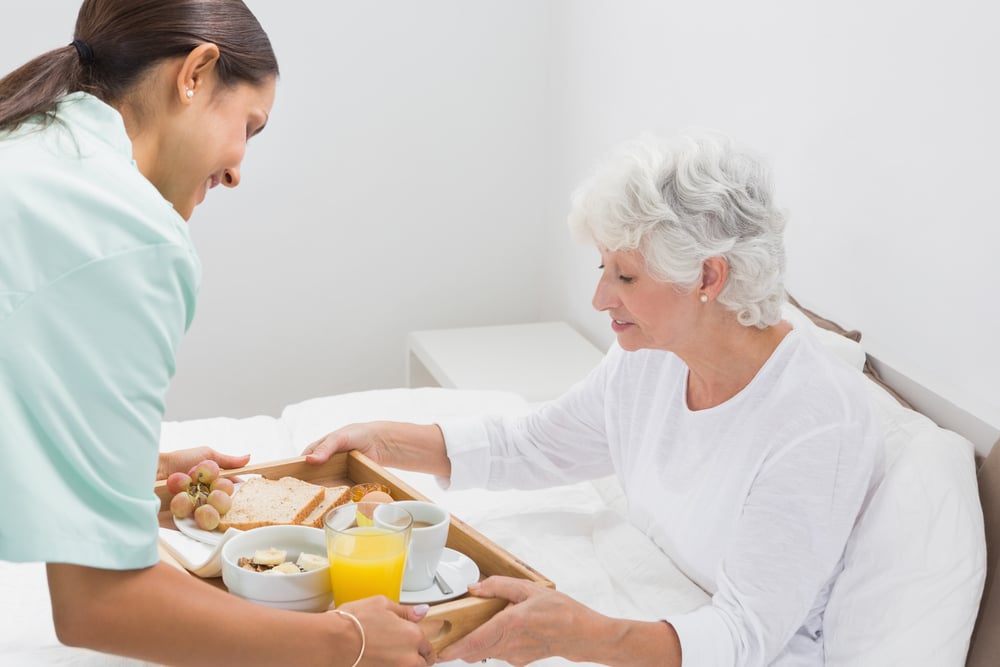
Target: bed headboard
(985,648)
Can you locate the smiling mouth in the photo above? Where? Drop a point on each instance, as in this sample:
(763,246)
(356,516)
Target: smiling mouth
(213,180)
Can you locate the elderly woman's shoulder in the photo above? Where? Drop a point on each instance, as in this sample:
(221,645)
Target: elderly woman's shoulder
(816,377)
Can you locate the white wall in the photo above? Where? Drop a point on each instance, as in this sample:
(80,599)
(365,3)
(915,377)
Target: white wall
(398,186)
(417,170)
(880,120)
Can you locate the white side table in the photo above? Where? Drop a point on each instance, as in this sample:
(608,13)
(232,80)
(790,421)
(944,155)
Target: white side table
(539,361)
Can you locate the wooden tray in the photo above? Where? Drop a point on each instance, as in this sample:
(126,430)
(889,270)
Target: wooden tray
(446,622)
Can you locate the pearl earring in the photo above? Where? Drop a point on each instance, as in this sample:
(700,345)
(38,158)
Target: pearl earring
(189,93)
(703,298)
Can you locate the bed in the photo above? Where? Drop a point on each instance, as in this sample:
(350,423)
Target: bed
(915,570)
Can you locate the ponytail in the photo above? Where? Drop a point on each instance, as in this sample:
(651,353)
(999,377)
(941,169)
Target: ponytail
(35,87)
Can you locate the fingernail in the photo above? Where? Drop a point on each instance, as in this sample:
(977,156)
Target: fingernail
(421,610)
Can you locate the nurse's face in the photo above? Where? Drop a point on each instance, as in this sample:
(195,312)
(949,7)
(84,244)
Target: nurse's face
(208,148)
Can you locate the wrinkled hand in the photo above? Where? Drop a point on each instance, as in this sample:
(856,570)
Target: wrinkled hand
(184,459)
(366,438)
(392,636)
(540,622)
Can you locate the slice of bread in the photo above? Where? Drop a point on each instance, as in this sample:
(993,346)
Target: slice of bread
(268,502)
(335,496)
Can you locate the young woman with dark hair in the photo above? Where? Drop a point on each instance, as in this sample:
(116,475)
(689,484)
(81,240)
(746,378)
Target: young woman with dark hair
(107,145)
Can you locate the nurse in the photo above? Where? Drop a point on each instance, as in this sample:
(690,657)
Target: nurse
(107,145)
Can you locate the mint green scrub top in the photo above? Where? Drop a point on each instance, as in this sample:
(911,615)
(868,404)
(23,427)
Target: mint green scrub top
(98,281)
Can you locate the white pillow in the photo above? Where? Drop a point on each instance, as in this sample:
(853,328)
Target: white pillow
(916,563)
(841,346)
(264,438)
(314,418)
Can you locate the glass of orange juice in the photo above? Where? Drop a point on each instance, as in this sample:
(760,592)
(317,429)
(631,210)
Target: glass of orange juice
(366,560)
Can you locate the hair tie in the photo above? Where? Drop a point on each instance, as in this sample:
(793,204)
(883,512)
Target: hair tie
(84,51)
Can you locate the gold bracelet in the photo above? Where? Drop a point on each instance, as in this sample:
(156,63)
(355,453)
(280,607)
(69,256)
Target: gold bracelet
(360,629)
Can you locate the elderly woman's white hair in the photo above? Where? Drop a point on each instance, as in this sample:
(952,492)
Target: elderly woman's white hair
(683,201)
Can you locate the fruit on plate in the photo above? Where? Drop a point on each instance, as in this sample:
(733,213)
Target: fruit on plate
(367,504)
(201,493)
(206,517)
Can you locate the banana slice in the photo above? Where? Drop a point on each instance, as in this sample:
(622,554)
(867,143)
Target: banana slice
(268,557)
(284,568)
(311,562)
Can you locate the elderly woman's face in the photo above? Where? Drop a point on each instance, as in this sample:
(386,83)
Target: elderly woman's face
(645,312)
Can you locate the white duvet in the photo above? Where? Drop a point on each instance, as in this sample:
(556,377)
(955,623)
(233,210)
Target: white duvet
(574,535)
(908,597)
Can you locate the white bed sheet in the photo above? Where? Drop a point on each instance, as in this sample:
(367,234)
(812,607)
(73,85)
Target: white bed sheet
(909,596)
(575,535)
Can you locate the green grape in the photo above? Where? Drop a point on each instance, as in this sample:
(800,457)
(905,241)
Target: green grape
(223,484)
(178,482)
(182,505)
(220,500)
(205,472)
(206,517)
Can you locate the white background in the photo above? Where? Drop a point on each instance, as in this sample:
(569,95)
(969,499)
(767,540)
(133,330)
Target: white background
(417,169)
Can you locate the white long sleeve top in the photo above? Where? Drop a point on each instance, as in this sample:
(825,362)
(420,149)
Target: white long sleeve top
(753,499)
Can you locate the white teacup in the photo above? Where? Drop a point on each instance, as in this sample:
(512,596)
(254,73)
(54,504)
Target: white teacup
(427,540)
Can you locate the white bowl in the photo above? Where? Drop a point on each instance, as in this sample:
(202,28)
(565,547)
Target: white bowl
(305,591)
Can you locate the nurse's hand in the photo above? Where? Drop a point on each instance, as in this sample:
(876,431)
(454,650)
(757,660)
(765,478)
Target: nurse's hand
(184,459)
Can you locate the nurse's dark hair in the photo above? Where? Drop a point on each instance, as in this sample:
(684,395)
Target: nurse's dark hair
(116,42)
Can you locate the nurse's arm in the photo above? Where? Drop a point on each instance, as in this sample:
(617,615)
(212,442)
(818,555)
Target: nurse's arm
(167,616)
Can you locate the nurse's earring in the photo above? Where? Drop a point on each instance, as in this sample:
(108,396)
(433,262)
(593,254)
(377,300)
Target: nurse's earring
(189,93)
(703,298)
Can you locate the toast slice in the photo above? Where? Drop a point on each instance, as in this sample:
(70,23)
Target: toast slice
(268,502)
(335,496)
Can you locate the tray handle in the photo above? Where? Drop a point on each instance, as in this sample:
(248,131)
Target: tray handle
(446,623)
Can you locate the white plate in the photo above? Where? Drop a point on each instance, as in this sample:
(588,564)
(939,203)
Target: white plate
(457,570)
(202,559)
(191,529)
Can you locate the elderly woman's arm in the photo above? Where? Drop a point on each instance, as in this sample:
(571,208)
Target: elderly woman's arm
(416,447)
(544,622)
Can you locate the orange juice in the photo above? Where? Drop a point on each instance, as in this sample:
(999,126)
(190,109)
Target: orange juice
(366,561)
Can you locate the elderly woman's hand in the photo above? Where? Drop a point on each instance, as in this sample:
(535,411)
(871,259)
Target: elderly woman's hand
(542,622)
(184,459)
(418,447)
(369,438)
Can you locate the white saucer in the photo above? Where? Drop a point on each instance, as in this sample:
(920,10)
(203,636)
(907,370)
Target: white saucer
(457,570)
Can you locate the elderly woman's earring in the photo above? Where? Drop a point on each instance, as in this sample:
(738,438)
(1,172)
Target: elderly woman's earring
(189,93)
(703,298)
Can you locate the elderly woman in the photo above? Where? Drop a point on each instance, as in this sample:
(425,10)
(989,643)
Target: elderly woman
(745,451)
